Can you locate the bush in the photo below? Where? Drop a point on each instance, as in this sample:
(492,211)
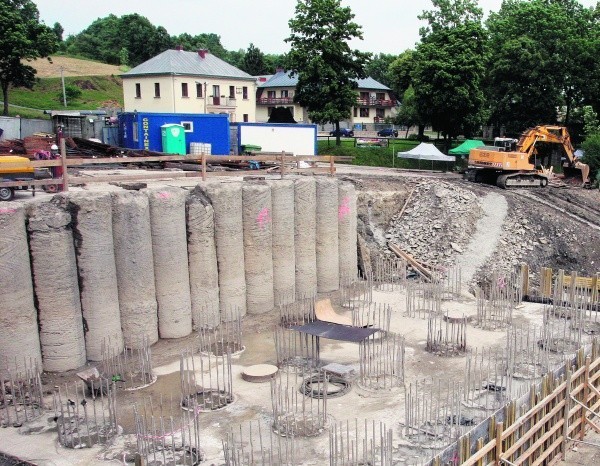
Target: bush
(72,93)
(591,148)
(415,137)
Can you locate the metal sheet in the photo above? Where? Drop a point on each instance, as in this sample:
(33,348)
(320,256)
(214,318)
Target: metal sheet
(336,331)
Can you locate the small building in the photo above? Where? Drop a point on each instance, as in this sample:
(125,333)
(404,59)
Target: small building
(177,81)
(374,101)
(142,130)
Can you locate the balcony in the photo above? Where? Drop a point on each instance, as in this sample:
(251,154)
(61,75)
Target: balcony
(275,101)
(375,103)
(216,103)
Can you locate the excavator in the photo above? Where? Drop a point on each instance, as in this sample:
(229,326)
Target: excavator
(512,163)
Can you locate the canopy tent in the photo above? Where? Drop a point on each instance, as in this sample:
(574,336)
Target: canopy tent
(425,151)
(466,146)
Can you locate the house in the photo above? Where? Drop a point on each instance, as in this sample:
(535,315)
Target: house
(177,81)
(374,101)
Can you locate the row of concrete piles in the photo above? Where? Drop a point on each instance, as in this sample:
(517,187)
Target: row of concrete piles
(132,266)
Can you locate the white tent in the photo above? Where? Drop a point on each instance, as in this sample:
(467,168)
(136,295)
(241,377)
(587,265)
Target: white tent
(426,151)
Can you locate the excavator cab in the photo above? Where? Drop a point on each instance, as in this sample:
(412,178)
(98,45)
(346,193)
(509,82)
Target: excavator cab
(505,144)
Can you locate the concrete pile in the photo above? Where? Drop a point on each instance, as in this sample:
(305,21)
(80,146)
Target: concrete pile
(437,224)
(131,267)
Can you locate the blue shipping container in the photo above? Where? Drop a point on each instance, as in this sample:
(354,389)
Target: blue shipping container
(140,130)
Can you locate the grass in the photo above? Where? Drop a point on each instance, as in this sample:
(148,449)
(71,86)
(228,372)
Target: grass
(96,91)
(380,156)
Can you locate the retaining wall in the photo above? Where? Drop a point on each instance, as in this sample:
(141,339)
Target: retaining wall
(127,266)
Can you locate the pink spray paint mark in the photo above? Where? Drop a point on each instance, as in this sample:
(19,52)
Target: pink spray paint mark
(163,195)
(263,218)
(344,208)
(7,211)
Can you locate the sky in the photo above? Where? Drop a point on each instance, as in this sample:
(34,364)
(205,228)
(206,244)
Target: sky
(389,26)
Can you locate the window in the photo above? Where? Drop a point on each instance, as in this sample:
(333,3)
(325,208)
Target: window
(245,118)
(380,112)
(364,96)
(156,90)
(232,92)
(245,93)
(184,90)
(271,94)
(284,93)
(135,132)
(138,91)
(364,112)
(188,126)
(380,96)
(216,91)
(199,90)
(355,112)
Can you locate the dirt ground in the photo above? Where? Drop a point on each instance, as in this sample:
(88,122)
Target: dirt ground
(72,67)
(567,220)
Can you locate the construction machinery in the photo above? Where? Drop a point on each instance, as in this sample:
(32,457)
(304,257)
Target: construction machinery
(526,162)
(15,168)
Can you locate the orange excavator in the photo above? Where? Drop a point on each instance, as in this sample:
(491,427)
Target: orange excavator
(512,163)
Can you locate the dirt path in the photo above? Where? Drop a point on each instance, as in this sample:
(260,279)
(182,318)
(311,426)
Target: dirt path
(484,241)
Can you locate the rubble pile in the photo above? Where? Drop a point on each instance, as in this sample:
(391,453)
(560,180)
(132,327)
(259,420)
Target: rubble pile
(437,223)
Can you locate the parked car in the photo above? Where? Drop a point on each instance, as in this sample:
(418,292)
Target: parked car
(344,133)
(388,132)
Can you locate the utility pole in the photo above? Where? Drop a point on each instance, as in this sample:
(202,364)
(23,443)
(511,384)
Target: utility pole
(62,78)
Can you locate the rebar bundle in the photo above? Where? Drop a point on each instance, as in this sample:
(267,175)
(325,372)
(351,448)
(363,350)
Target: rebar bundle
(353,290)
(300,312)
(224,338)
(130,369)
(167,439)
(381,362)
(86,415)
(375,315)
(526,355)
(446,336)
(450,279)
(295,413)
(360,443)
(559,337)
(389,273)
(20,395)
(497,299)
(487,383)
(423,299)
(435,415)
(296,350)
(206,381)
(256,443)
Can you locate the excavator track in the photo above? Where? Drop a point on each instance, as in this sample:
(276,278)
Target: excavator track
(521,180)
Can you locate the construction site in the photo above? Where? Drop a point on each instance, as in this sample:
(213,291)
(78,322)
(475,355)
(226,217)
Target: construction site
(334,315)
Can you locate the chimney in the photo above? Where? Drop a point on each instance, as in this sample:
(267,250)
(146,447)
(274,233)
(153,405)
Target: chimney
(179,48)
(202,53)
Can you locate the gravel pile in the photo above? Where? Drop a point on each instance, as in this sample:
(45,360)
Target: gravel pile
(437,223)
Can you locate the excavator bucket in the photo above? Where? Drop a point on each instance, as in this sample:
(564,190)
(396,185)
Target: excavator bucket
(579,173)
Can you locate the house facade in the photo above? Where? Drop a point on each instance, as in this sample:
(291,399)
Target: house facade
(177,81)
(374,101)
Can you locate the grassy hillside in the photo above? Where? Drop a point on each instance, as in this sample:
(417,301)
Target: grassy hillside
(99,83)
(96,91)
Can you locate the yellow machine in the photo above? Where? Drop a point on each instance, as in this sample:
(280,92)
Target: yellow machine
(510,163)
(14,168)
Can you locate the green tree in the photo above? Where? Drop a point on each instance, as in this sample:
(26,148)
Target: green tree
(22,37)
(399,72)
(448,68)
(539,62)
(254,61)
(591,145)
(59,31)
(326,65)
(408,113)
(378,68)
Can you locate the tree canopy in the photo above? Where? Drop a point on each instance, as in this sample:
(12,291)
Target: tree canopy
(320,54)
(448,67)
(22,37)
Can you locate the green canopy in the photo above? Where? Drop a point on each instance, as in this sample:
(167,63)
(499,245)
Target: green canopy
(466,146)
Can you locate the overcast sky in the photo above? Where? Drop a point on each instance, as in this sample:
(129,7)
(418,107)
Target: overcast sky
(389,26)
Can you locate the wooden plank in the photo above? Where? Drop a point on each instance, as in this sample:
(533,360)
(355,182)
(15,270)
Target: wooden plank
(498,442)
(547,452)
(484,450)
(411,260)
(16,184)
(525,455)
(117,178)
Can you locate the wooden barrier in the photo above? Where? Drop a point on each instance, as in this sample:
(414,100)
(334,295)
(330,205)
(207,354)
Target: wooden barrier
(562,408)
(554,284)
(285,163)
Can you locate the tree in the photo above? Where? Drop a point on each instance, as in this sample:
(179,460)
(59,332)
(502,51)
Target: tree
(59,31)
(327,67)
(399,72)
(254,61)
(539,63)
(22,37)
(448,68)
(591,145)
(378,68)
(408,113)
